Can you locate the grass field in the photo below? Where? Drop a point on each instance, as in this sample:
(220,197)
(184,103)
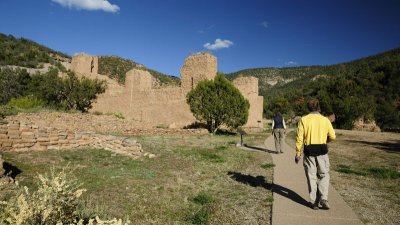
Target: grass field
(365,169)
(194,179)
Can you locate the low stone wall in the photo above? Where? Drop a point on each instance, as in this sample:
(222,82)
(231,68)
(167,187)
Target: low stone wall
(21,136)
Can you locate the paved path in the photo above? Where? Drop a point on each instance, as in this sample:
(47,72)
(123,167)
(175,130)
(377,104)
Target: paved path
(290,193)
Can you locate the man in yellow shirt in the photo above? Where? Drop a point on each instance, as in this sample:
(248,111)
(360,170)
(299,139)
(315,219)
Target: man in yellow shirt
(313,133)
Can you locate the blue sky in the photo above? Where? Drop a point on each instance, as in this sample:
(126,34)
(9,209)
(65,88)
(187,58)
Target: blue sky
(242,33)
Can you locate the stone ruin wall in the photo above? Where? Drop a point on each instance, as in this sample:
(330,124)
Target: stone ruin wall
(139,100)
(248,86)
(196,68)
(18,133)
(85,64)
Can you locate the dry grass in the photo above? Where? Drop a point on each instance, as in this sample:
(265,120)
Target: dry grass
(365,169)
(167,189)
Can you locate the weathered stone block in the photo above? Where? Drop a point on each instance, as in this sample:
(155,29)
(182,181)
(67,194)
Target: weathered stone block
(38,147)
(14,137)
(63,142)
(14,133)
(28,141)
(44,143)
(53,138)
(53,142)
(41,139)
(27,135)
(13,127)
(53,147)
(6,144)
(18,145)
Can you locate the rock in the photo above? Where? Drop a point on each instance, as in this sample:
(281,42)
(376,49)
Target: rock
(366,125)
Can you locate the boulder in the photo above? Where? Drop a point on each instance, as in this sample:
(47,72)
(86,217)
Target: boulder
(362,124)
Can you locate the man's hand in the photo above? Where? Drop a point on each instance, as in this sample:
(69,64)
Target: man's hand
(297,159)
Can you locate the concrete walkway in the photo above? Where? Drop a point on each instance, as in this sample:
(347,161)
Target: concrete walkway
(290,193)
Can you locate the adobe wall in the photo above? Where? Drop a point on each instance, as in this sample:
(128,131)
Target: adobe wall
(248,86)
(85,64)
(141,101)
(138,100)
(196,68)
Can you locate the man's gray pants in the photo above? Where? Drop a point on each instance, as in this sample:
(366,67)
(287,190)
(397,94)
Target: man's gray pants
(317,172)
(279,134)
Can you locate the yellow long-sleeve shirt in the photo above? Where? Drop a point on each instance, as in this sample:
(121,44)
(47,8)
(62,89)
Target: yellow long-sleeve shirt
(313,129)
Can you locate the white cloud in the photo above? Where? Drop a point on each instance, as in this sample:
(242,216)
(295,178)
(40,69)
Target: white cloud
(264,24)
(291,63)
(104,5)
(218,44)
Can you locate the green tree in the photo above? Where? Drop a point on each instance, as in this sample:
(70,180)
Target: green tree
(218,102)
(66,93)
(9,85)
(79,93)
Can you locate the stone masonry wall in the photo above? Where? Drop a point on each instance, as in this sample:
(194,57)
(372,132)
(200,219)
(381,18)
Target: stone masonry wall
(18,135)
(248,86)
(198,67)
(140,101)
(85,64)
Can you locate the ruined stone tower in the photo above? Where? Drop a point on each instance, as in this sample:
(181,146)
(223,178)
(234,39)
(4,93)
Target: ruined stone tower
(248,86)
(85,64)
(198,67)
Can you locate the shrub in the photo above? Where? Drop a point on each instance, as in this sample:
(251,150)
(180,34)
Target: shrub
(68,93)
(27,102)
(7,111)
(55,202)
(203,198)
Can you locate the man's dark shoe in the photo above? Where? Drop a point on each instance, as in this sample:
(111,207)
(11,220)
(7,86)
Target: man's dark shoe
(324,204)
(314,205)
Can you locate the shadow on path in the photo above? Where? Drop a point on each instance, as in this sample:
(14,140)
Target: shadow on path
(286,192)
(260,149)
(258,181)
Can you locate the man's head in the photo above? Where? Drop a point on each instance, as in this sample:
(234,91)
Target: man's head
(313,105)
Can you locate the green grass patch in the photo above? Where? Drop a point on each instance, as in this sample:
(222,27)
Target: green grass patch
(26,102)
(168,189)
(211,157)
(203,198)
(200,217)
(267,166)
(220,148)
(377,172)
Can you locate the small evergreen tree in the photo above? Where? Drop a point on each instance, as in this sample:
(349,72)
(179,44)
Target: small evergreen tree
(66,93)
(218,102)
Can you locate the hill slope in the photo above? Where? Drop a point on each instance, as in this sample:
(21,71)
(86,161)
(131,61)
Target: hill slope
(22,52)
(116,68)
(26,53)
(367,88)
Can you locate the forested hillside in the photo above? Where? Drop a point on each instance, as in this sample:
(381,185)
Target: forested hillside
(368,88)
(26,53)
(116,68)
